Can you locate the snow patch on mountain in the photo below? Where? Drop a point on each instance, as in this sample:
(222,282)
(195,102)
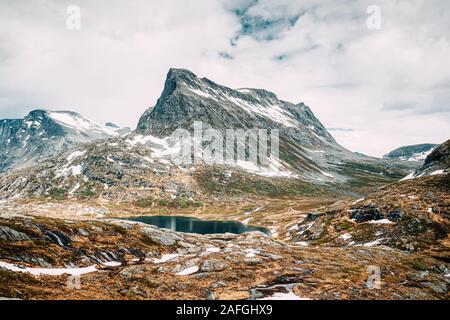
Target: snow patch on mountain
(169,149)
(436,163)
(417,153)
(76,154)
(79,123)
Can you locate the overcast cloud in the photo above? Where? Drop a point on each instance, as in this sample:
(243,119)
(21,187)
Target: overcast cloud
(376,89)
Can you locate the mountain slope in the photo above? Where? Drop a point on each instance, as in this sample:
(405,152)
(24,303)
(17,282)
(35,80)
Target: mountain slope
(44,133)
(436,163)
(412,214)
(416,152)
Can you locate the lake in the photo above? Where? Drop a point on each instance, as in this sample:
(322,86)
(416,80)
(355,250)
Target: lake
(194,225)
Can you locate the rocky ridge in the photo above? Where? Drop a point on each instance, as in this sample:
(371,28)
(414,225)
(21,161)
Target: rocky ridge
(42,134)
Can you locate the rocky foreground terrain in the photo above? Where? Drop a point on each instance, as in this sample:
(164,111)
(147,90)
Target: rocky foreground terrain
(319,248)
(133,261)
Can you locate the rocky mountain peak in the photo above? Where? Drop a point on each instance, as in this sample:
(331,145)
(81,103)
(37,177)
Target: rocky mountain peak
(187,98)
(42,133)
(177,78)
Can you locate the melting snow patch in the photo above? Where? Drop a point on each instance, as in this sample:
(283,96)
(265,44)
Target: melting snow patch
(253,211)
(76,170)
(75,154)
(79,123)
(188,271)
(272,168)
(148,159)
(75,188)
(213,249)
(437,172)
(409,176)
(326,174)
(202,94)
(49,271)
(139,139)
(251,253)
(301,243)
(372,243)
(358,201)
(273,112)
(382,221)
(166,258)
(284,296)
(273,231)
(345,236)
(112,264)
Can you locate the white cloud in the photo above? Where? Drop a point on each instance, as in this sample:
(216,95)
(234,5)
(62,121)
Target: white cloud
(391,86)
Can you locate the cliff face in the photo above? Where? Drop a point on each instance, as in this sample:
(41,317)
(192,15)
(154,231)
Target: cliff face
(187,98)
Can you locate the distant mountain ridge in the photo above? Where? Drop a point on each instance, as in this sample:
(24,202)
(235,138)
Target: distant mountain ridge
(436,163)
(417,152)
(44,133)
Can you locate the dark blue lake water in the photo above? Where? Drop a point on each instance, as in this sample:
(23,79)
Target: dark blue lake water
(193,225)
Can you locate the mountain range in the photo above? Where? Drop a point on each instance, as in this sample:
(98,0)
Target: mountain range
(308,152)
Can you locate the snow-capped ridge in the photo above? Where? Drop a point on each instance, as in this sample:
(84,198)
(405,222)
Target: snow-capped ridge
(43,133)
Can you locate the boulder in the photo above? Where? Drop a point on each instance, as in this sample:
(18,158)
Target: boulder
(7,233)
(161,237)
(366,213)
(132,272)
(396,215)
(253,261)
(82,232)
(213,265)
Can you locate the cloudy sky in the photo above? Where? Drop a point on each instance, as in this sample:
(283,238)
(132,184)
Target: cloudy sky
(374,88)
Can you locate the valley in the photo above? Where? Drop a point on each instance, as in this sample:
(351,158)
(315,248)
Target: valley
(333,216)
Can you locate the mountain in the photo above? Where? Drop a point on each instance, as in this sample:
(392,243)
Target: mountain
(436,163)
(416,152)
(45,133)
(187,98)
(307,149)
(140,166)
